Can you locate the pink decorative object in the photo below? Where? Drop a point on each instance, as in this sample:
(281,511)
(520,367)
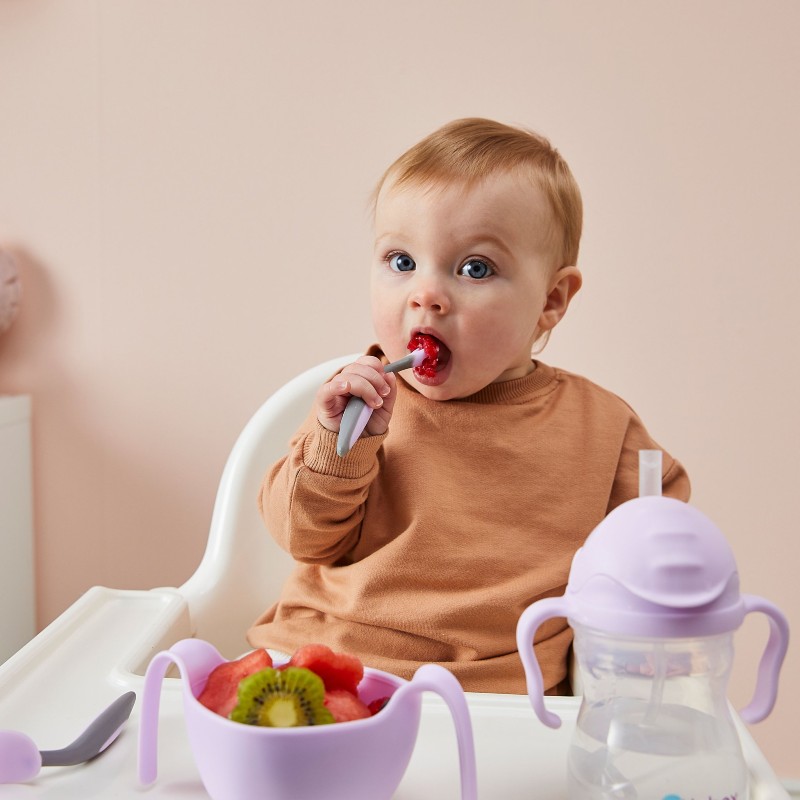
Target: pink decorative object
(10,290)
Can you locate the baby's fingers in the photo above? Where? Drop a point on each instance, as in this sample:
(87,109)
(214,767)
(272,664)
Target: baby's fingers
(332,397)
(379,421)
(363,378)
(367,380)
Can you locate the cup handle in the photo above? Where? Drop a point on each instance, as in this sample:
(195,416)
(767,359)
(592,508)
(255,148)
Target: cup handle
(195,659)
(532,617)
(433,678)
(769,667)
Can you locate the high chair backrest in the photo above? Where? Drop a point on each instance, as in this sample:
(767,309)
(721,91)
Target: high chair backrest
(243,569)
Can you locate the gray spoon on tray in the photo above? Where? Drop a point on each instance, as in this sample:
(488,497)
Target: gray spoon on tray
(21,760)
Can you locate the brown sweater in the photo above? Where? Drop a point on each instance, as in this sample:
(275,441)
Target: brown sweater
(426,544)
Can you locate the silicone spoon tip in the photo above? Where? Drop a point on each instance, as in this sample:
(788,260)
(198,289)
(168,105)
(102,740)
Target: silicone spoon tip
(413,359)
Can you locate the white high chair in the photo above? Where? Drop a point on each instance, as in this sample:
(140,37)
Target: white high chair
(101,645)
(243,569)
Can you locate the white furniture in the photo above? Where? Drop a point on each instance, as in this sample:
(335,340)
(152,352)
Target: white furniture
(17,601)
(101,645)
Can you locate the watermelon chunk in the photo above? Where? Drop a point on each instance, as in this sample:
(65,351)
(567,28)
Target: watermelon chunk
(345,706)
(337,670)
(377,705)
(221,690)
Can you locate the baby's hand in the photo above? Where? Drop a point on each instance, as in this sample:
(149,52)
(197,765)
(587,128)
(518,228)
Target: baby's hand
(363,378)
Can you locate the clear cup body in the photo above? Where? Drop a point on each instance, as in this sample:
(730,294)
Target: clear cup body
(655,720)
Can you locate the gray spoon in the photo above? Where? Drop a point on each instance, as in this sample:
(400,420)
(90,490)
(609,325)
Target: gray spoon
(21,760)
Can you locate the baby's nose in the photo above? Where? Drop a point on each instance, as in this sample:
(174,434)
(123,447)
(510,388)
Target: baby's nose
(430,295)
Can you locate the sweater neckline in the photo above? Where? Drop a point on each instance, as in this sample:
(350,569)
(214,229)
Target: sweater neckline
(517,389)
(507,392)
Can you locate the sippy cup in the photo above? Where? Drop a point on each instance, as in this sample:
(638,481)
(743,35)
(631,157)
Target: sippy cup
(653,600)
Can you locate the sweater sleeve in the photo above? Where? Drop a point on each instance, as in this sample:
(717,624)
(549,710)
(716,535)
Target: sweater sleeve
(312,501)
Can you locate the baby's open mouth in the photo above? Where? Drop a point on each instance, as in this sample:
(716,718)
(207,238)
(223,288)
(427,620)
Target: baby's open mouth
(437,354)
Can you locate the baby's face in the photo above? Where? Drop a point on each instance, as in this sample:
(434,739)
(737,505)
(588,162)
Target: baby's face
(469,266)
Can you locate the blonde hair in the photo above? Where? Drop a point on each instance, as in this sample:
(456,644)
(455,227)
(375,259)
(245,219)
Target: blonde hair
(469,149)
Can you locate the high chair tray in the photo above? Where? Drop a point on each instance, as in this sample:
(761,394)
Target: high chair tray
(99,649)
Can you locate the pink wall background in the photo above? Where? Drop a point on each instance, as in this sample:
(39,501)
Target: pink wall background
(184,185)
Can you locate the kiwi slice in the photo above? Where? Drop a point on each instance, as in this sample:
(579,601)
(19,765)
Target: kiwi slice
(282,699)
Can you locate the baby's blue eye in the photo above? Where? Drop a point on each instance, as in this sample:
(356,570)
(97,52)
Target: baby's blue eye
(475,268)
(402,263)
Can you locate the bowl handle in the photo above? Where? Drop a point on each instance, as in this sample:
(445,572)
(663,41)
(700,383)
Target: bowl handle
(195,659)
(433,678)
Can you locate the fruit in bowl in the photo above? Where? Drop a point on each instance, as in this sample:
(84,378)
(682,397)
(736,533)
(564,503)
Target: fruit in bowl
(279,753)
(315,687)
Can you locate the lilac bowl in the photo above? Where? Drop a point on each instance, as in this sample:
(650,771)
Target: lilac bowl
(358,760)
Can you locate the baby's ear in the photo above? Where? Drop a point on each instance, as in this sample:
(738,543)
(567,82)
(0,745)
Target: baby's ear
(564,285)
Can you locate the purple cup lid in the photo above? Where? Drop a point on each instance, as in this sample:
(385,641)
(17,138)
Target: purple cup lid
(655,567)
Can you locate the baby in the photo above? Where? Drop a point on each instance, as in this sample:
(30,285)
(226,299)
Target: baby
(475,481)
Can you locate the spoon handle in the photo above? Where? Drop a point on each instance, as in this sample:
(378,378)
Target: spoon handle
(96,738)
